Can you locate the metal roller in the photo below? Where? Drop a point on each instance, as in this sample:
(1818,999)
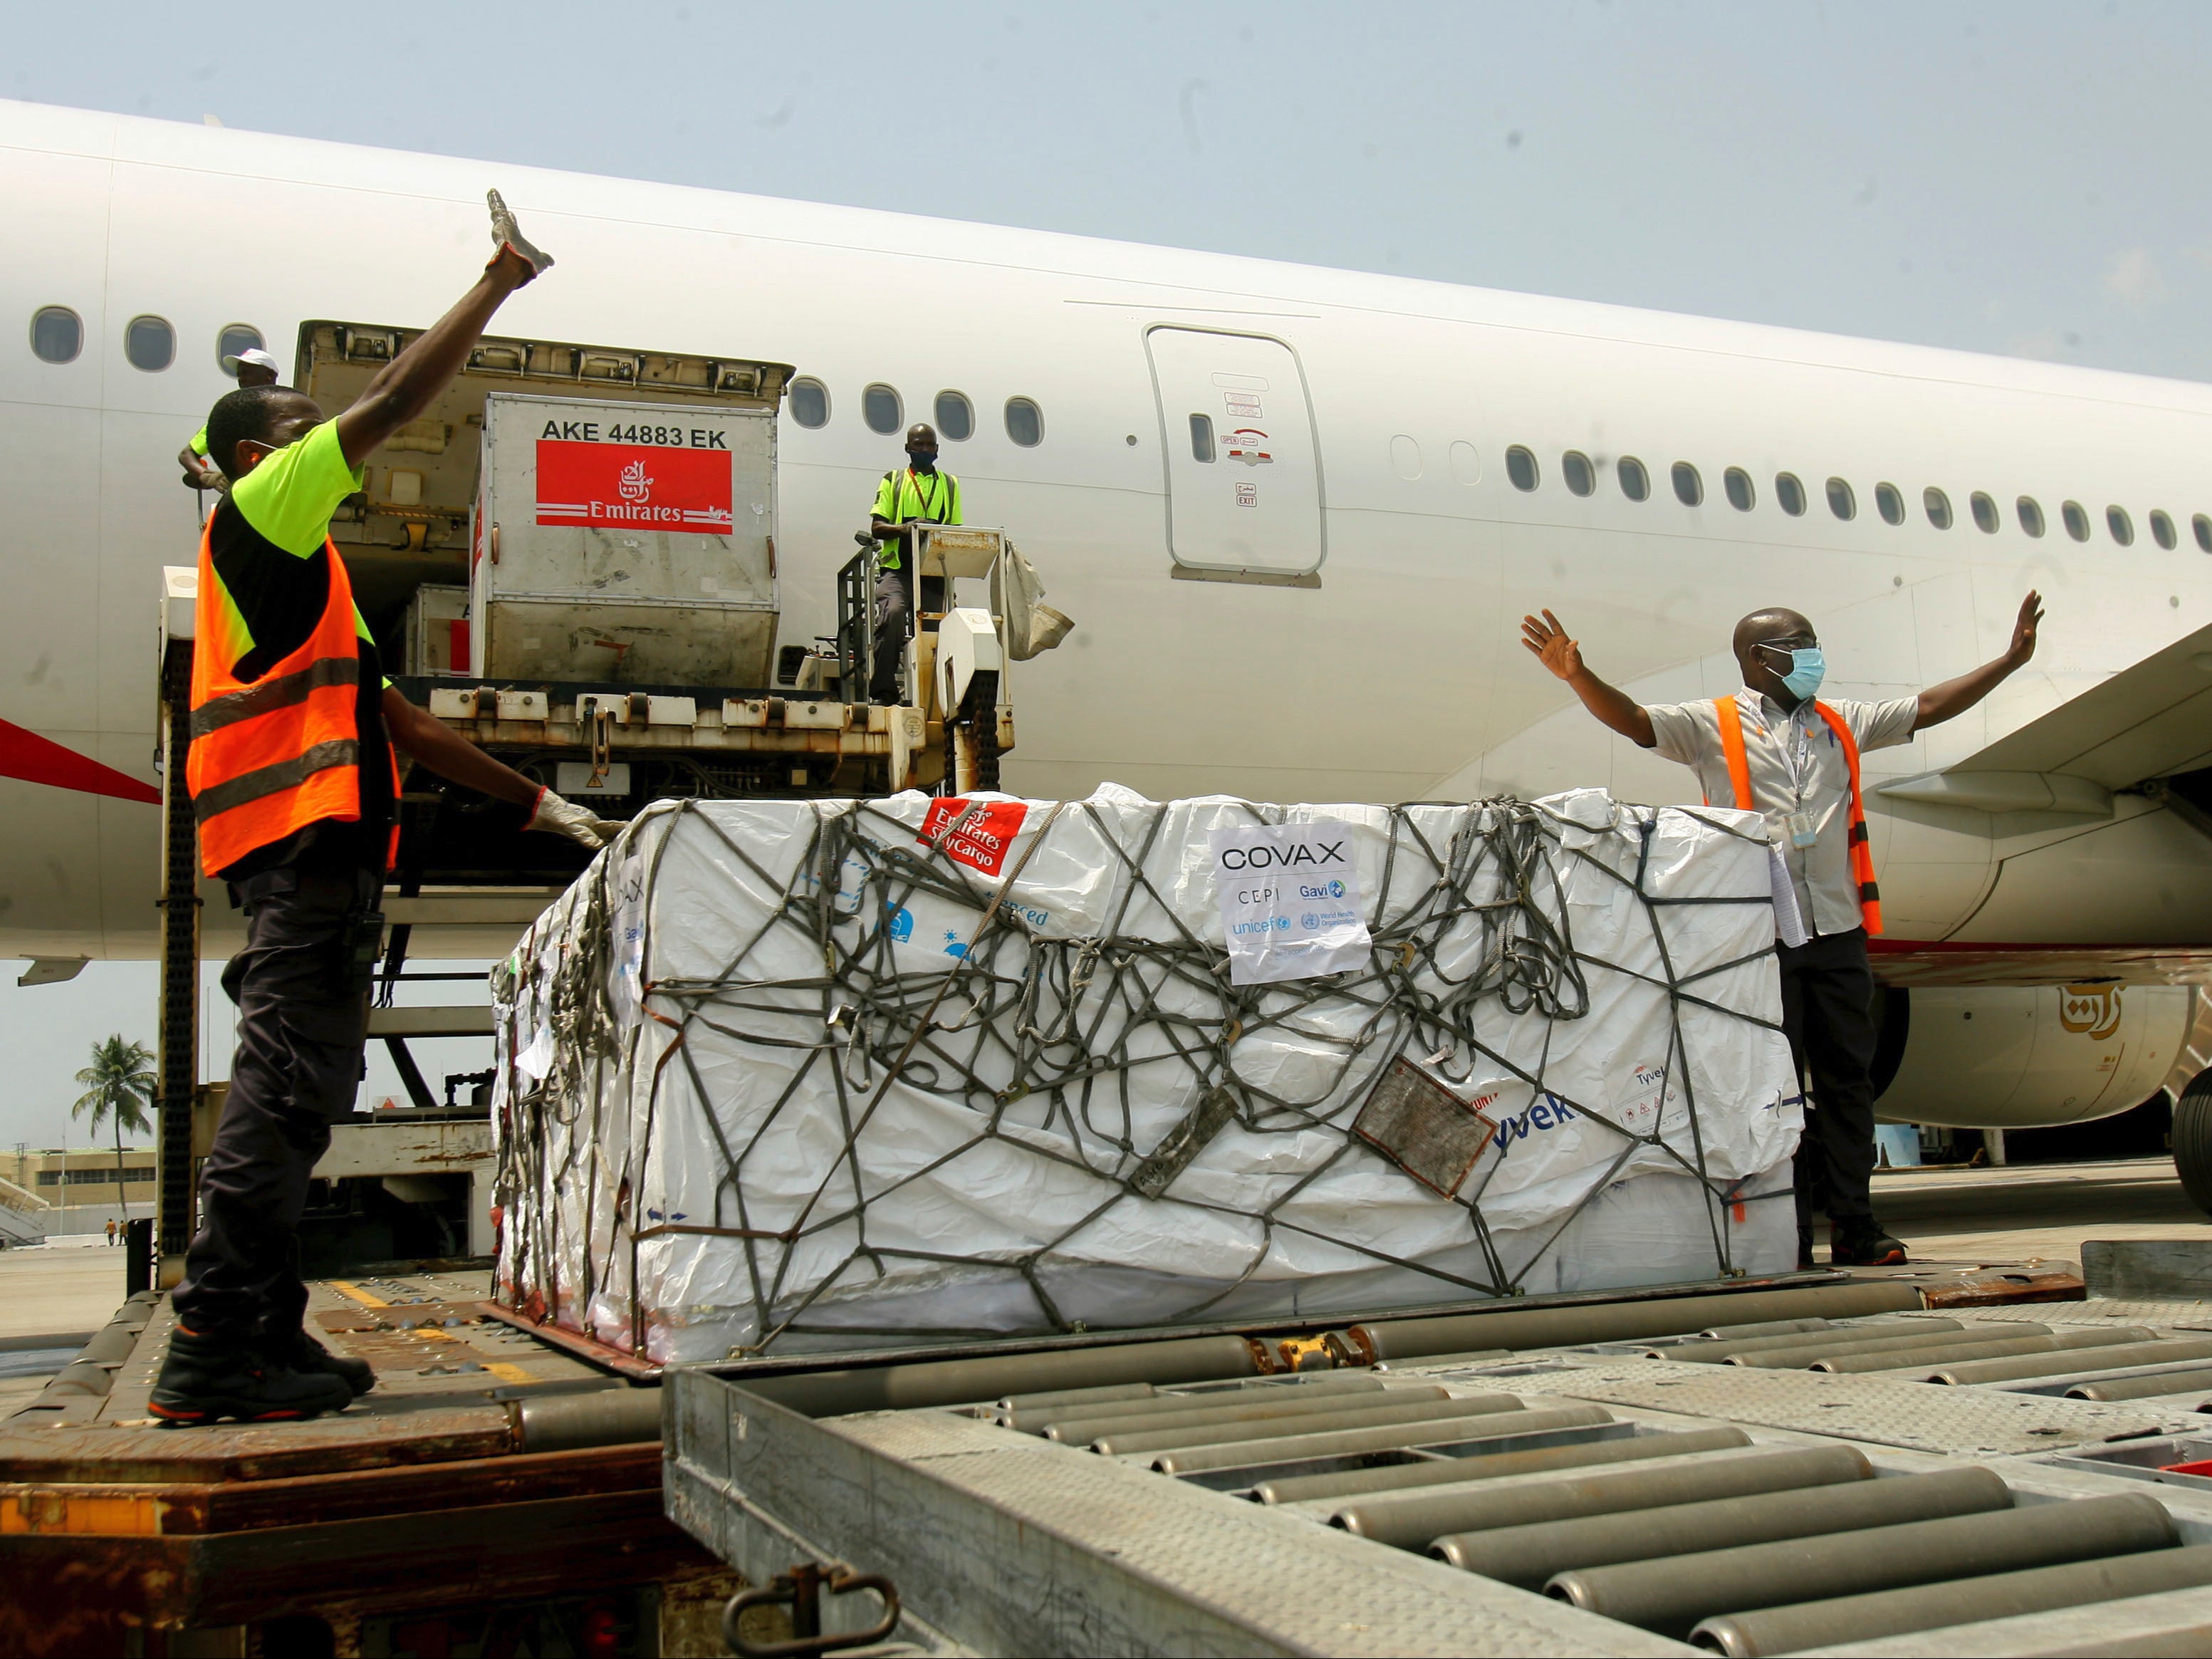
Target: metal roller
(1169,1411)
(1496,1466)
(1808,1353)
(1623,1322)
(1672,1595)
(1113,1391)
(566,1422)
(960,1381)
(2060,1365)
(1528,1555)
(1764,1328)
(2144,1388)
(1938,1606)
(1714,1351)
(1315,1393)
(1347,1442)
(1412,1520)
(1358,1415)
(1984,1348)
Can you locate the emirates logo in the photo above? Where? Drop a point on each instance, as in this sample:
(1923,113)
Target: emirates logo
(635,486)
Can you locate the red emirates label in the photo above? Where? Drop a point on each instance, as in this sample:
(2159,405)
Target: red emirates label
(983,840)
(610,484)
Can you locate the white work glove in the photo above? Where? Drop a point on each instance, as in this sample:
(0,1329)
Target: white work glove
(565,817)
(506,237)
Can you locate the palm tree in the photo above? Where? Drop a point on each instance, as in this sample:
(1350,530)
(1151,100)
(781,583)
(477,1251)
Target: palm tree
(119,1084)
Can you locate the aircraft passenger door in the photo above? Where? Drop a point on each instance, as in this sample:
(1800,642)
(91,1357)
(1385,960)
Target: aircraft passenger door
(1243,473)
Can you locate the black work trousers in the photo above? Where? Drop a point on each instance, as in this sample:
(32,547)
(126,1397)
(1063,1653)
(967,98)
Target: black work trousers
(302,1023)
(1827,1007)
(894,600)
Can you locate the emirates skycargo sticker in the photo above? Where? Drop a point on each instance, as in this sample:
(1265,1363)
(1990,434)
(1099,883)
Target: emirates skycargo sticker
(607,485)
(984,831)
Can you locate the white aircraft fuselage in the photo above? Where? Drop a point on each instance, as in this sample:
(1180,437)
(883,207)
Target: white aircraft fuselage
(1368,418)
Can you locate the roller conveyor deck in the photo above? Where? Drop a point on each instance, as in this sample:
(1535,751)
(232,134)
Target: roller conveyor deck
(1615,1496)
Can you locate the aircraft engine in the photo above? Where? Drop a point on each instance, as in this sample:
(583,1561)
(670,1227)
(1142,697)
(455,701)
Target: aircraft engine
(2025,1058)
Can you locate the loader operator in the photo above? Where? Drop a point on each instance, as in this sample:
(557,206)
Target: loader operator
(920,493)
(294,779)
(252,367)
(1772,745)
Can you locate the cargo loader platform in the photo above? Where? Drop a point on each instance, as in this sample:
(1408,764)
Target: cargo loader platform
(1425,1501)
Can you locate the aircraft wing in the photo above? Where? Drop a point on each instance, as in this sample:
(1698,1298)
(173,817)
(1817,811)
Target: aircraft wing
(2151,720)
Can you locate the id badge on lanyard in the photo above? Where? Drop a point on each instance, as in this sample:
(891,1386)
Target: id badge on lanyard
(1804,829)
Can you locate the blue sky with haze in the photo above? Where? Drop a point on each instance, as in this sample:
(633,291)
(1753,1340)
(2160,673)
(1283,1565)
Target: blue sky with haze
(2018,178)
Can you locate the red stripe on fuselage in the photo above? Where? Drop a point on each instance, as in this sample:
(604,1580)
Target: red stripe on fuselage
(34,759)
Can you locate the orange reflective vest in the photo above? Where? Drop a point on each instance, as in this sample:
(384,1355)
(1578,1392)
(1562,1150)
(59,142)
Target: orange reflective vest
(1738,766)
(271,755)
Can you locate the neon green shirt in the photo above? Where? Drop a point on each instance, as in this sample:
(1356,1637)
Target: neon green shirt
(905,497)
(198,444)
(288,500)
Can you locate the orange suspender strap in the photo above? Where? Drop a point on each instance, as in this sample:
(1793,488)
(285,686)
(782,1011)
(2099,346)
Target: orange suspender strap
(1861,850)
(1739,763)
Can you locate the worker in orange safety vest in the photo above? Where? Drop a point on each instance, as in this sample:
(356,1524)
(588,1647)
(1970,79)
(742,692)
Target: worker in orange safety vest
(1774,748)
(293,774)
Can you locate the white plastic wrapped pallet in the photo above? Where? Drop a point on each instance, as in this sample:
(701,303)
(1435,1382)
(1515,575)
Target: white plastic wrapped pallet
(766,1084)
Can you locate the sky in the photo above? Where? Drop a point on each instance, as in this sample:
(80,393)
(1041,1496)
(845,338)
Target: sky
(2020,178)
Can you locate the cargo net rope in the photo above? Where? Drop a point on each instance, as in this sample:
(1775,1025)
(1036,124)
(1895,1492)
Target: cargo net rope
(794,1077)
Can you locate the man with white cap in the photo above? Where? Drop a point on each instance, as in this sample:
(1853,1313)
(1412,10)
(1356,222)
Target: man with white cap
(252,366)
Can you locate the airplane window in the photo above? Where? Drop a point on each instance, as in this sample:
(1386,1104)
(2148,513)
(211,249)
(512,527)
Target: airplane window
(1939,506)
(809,403)
(956,417)
(879,408)
(2161,531)
(1634,481)
(1201,437)
(1985,514)
(1789,494)
(2031,515)
(1581,476)
(150,343)
(239,336)
(1521,467)
(1841,501)
(2203,526)
(1737,483)
(57,335)
(1024,423)
(1689,487)
(2077,521)
(1889,503)
(1466,464)
(2122,526)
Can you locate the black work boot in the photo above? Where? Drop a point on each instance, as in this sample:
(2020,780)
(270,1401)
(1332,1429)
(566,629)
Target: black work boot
(206,1378)
(1865,1246)
(301,1353)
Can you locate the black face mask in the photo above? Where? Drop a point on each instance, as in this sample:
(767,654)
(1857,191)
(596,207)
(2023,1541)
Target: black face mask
(920,461)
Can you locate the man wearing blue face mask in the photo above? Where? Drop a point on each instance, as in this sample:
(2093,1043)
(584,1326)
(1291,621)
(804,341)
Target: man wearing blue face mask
(1775,747)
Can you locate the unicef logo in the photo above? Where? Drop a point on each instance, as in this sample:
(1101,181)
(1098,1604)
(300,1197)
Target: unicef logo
(1281,922)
